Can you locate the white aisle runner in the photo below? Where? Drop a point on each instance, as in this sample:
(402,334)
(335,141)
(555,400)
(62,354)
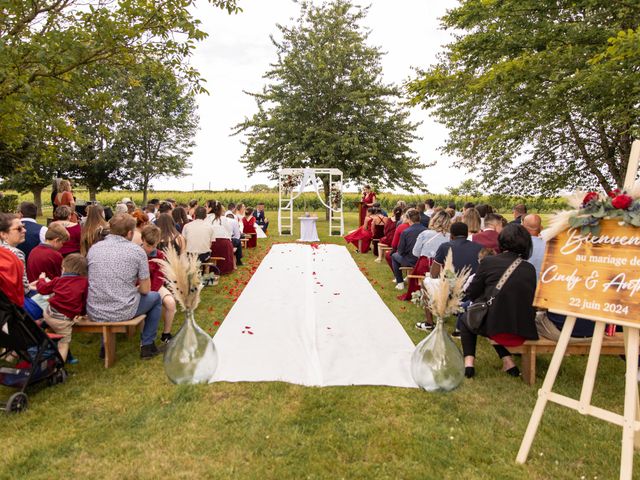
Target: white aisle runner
(308,316)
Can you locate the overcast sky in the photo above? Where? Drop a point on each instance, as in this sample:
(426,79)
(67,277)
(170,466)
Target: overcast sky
(238,52)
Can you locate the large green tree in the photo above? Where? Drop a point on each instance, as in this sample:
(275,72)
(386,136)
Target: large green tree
(326,105)
(159,122)
(44,43)
(538,95)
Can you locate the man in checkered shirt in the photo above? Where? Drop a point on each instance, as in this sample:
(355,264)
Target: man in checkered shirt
(116,266)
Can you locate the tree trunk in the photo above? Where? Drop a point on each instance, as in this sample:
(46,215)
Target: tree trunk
(92,193)
(37,198)
(145,191)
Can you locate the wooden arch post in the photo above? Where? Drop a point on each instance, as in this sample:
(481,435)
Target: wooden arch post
(588,295)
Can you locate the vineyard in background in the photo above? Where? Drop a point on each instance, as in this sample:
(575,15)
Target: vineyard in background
(309,201)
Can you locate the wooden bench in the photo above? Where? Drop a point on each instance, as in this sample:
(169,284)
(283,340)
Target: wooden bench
(531,348)
(109,330)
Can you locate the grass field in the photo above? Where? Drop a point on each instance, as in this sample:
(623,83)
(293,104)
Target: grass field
(129,422)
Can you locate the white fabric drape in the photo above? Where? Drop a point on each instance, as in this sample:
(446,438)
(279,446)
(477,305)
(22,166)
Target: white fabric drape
(308,316)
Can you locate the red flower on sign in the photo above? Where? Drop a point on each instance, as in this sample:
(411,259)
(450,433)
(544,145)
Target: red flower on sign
(614,193)
(589,197)
(622,202)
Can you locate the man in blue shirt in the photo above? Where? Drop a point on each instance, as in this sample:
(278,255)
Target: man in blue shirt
(533,224)
(465,252)
(261,220)
(404,256)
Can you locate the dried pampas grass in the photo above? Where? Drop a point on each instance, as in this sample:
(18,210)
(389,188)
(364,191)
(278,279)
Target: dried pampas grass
(557,224)
(445,292)
(182,273)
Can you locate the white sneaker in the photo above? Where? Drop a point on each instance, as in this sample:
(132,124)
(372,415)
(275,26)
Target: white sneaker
(400,286)
(394,281)
(377,260)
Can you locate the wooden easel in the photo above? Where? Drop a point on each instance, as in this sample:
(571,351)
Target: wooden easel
(630,419)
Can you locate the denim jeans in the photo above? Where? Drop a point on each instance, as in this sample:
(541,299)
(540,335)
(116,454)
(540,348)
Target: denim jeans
(151,304)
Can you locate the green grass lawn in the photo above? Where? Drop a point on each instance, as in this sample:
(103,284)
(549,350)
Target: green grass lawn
(130,422)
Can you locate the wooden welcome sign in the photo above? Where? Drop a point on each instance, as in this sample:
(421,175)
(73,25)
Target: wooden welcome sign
(593,276)
(596,277)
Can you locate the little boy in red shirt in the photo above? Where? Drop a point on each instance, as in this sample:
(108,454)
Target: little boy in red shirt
(150,238)
(68,298)
(45,258)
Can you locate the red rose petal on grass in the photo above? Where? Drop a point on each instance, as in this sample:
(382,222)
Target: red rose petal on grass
(210,309)
(216,323)
(336,294)
(247,327)
(250,333)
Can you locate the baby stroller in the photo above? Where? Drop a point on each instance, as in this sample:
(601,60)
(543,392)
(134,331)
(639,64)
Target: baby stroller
(38,356)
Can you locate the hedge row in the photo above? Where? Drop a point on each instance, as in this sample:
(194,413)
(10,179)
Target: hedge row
(309,201)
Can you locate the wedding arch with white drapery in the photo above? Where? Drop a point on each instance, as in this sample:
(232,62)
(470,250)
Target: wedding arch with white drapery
(292,182)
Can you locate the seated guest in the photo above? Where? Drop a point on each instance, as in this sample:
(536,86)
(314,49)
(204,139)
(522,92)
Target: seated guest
(239,214)
(402,205)
(121,208)
(116,266)
(361,237)
(425,249)
(142,220)
(404,257)
(429,241)
(11,274)
(483,209)
(378,207)
(231,209)
(549,325)
(533,224)
(95,228)
(261,219)
(430,204)
(62,216)
(519,212)
(199,235)
(465,252)
(28,213)
(12,234)
(402,226)
(249,228)
(191,210)
(488,237)
(389,231)
(236,235)
(424,218)
(131,207)
(150,239)
(164,207)
(511,319)
(471,218)
(378,224)
(150,211)
(168,233)
(222,247)
(46,257)
(68,298)
(179,215)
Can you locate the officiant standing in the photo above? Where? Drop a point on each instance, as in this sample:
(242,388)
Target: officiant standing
(368,199)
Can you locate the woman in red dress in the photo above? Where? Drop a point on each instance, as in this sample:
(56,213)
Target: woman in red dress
(368,199)
(378,226)
(63,216)
(249,224)
(361,237)
(389,231)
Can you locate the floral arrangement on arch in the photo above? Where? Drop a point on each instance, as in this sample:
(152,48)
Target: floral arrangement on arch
(291,181)
(336,194)
(591,207)
(442,296)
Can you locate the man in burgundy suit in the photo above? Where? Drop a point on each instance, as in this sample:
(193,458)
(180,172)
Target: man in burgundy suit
(488,237)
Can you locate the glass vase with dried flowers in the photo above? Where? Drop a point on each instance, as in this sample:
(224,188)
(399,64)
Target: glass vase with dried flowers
(437,363)
(191,355)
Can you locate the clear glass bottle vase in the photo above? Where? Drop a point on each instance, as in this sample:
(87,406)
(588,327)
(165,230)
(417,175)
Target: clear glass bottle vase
(437,363)
(191,355)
